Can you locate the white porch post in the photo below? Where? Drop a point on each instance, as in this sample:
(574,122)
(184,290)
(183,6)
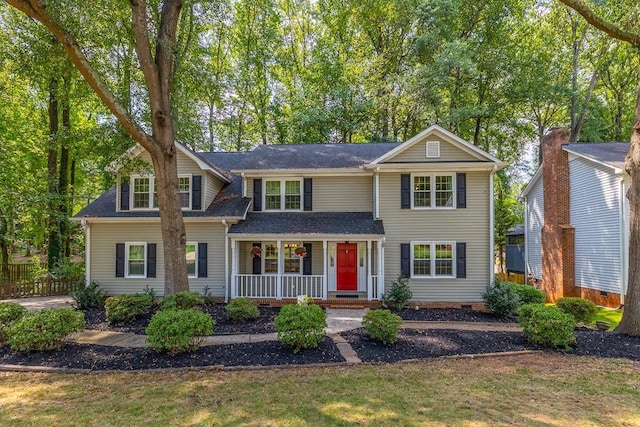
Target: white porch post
(234,268)
(325,265)
(380,269)
(280,270)
(370,295)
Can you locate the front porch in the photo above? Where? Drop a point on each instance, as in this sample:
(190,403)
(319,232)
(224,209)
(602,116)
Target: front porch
(327,269)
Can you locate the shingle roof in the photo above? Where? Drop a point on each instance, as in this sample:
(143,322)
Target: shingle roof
(301,156)
(292,223)
(608,153)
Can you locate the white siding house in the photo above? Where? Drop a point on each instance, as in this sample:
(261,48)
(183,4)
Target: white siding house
(534,221)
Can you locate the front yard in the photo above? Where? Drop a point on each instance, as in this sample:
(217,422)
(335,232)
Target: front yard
(535,389)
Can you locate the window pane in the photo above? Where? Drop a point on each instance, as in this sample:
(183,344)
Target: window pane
(421,191)
(185,187)
(444,191)
(136,260)
(422,259)
(291,260)
(190,253)
(444,260)
(141,187)
(272,195)
(270,258)
(292,195)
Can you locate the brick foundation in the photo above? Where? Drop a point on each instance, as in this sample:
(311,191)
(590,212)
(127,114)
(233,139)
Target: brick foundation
(605,299)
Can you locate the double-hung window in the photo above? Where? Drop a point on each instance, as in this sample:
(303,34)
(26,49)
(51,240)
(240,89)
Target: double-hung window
(145,193)
(270,256)
(136,259)
(191,254)
(433,191)
(283,194)
(292,261)
(432,259)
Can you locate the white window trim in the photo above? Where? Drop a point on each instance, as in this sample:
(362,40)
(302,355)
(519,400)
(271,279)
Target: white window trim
(282,194)
(433,244)
(432,200)
(195,271)
(127,245)
(300,244)
(430,144)
(263,258)
(152,186)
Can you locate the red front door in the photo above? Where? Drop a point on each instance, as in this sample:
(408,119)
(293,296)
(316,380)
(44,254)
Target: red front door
(347,267)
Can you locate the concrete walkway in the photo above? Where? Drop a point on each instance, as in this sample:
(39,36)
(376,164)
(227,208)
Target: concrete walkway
(39,303)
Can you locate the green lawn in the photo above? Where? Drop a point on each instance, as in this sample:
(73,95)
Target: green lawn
(539,389)
(608,315)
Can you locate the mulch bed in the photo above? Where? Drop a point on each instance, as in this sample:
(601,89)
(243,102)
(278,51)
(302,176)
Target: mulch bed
(452,315)
(96,319)
(412,344)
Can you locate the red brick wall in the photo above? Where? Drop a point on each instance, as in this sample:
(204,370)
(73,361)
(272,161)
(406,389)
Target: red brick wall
(605,299)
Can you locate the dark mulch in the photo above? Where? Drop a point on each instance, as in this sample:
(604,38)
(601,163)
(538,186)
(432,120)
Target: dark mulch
(97,357)
(452,315)
(95,318)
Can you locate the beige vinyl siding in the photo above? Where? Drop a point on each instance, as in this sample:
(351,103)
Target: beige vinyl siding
(337,193)
(185,164)
(103,256)
(469,225)
(212,186)
(418,153)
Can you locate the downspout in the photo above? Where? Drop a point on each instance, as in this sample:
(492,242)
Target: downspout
(492,248)
(87,252)
(226,260)
(244,185)
(624,245)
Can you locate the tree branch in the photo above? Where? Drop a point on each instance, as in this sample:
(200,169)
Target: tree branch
(36,9)
(602,24)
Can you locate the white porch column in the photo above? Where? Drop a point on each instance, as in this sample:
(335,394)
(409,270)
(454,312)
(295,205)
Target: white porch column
(87,254)
(325,274)
(380,269)
(234,268)
(280,270)
(370,295)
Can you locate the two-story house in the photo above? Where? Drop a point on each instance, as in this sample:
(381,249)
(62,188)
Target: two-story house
(324,220)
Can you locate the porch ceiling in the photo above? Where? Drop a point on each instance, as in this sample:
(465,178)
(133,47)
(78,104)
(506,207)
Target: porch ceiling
(324,223)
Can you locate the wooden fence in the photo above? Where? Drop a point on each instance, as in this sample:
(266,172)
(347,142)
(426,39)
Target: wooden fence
(512,277)
(37,288)
(17,273)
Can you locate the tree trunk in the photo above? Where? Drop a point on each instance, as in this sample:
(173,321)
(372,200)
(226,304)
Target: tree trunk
(4,245)
(630,324)
(53,246)
(63,176)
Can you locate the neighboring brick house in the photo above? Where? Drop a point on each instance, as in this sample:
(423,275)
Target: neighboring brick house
(326,220)
(577,220)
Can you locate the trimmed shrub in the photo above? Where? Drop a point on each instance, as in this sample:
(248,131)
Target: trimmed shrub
(528,294)
(382,325)
(581,309)
(126,308)
(182,301)
(241,310)
(501,299)
(177,331)
(87,296)
(546,326)
(9,311)
(301,326)
(398,295)
(44,330)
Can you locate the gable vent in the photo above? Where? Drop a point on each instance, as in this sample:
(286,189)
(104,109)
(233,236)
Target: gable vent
(433,148)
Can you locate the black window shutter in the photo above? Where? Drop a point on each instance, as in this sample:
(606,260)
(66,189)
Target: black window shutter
(124,196)
(461,260)
(461,186)
(202,260)
(257,195)
(308,194)
(257,260)
(405,191)
(151,260)
(306,261)
(196,193)
(119,259)
(405,259)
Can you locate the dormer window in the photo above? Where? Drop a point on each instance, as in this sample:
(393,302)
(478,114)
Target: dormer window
(283,194)
(145,196)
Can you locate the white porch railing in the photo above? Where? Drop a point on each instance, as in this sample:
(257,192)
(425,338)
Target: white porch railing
(278,286)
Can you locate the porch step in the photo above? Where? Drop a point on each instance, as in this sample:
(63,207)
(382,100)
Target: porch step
(346,306)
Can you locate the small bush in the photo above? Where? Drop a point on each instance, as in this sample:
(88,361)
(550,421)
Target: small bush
(546,326)
(398,295)
(301,326)
(382,325)
(184,300)
(44,330)
(176,330)
(87,296)
(528,294)
(126,308)
(241,310)
(501,299)
(582,310)
(9,311)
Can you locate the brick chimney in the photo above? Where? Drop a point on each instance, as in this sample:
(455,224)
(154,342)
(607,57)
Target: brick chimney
(558,236)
